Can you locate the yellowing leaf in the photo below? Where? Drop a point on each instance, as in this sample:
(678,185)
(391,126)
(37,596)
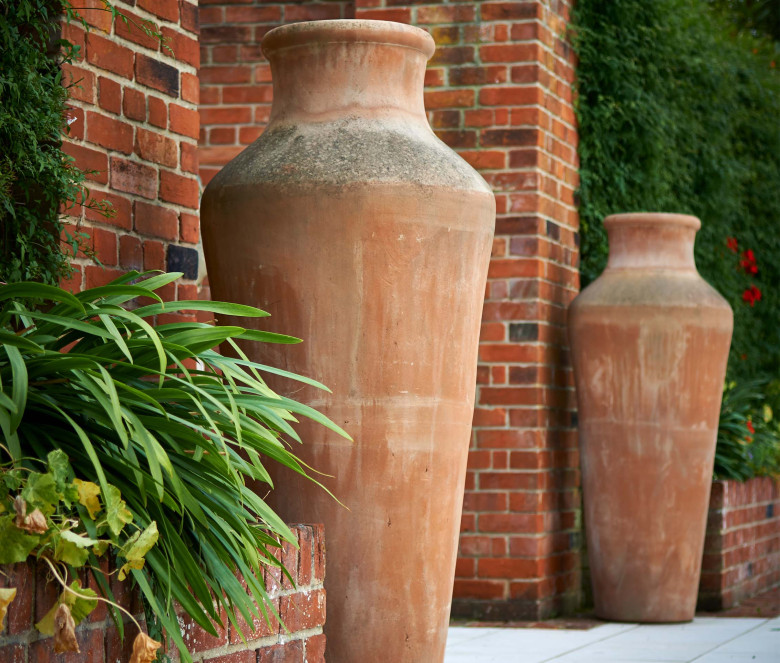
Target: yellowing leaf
(143,543)
(88,496)
(144,649)
(117,513)
(68,552)
(6,596)
(64,631)
(134,564)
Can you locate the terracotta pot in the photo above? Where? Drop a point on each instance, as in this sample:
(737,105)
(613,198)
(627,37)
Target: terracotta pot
(650,341)
(363,234)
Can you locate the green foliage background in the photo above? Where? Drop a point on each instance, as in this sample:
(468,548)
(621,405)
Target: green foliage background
(677,113)
(36,176)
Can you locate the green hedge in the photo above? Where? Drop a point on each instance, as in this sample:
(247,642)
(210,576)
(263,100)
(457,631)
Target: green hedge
(37,179)
(679,113)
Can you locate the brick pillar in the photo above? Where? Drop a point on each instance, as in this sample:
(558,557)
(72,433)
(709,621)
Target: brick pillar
(498,90)
(135,122)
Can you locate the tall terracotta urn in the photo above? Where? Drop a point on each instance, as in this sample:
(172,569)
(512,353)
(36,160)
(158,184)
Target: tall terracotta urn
(363,234)
(650,340)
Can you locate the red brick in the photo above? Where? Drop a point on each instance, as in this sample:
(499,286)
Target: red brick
(238,657)
(253,14)
(95,14)
(109,55)
(397,14)
(154,255)
(511,52)
(290,652)
(222,136)
(190,87)
(184,47)
(133,177)
(155,221)
(226,34)
(13,654)
(478,589)
(105,245)
(153,146)
(120,209)
(184,121)
(110,133)
(109,95)
(189,157)
(315,648)
(249,94)
(478,75)
(21,576)
(157,74)
(180,190)
(166,9)
(449,98)
(464,13)
(158,112)
(131,29)
(131,255)
(260,627)
(87,160)
(74,118)
(247,135)
(453,55)
(134,104)
(511,96)
(96,276)
(223,75)
(312,11)
(502,11)
(81,83)
(199,640)
(189,16)
(234,115)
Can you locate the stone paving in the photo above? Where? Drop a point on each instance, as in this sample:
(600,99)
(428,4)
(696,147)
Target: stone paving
(749,633)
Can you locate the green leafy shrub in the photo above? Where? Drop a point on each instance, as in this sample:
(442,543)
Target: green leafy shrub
(167,431)
(677,113)
(748,435)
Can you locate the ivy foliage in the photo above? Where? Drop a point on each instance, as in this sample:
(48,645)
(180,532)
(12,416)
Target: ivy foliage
(678,114)
(36,176)
(679,111)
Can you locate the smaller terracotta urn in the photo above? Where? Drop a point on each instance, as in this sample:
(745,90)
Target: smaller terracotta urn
(650,341)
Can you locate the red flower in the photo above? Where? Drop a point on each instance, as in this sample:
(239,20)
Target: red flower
(750,427)
(731,242)
(748,262)
(751,295)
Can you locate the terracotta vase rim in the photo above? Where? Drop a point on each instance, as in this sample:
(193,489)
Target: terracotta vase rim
(348,31)
(652,219)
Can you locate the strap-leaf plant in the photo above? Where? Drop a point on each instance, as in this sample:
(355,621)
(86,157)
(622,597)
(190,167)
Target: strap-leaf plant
(142,440)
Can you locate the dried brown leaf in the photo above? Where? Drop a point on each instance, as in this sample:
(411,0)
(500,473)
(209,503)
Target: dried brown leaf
(35,523)
(64,631)
(144,649)
(20,508)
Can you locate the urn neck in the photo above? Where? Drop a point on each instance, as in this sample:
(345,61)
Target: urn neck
(651,241)
(327,70)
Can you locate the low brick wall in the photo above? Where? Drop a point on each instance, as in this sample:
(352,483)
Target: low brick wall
(742,548)
(302,610)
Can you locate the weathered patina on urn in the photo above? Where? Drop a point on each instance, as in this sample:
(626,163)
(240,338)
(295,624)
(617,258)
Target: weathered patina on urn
(363,234)
(650,341)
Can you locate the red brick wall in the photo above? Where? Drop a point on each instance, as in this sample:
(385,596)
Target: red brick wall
(302,610)
(742,548)
(135,122)
(498,90)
